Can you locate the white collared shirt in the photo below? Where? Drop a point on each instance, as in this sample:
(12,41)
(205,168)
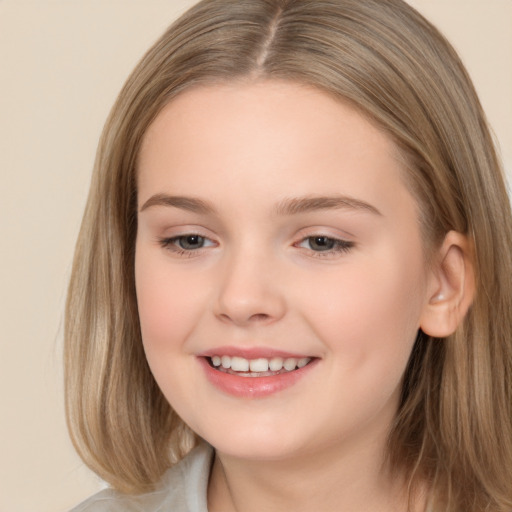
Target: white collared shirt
(183,488)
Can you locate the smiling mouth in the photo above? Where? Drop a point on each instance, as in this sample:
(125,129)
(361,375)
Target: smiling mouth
(260,367)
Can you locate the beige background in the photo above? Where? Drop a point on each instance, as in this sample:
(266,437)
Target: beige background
(62,63)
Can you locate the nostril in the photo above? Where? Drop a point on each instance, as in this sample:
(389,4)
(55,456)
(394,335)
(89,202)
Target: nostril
(259,317)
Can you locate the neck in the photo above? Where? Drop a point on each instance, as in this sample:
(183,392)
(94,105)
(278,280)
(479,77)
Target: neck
(351,479)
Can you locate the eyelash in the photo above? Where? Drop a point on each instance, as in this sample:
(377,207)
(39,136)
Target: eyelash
(338,245)
(172,245)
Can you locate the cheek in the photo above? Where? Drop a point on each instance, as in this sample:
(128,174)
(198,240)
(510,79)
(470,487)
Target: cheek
(169,306)
(369,315)
(168,303)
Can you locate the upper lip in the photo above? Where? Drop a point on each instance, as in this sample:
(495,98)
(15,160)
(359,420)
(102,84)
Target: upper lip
(251,353)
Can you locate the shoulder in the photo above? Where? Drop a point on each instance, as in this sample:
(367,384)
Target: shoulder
(182,489)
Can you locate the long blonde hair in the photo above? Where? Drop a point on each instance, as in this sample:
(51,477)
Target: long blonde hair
(453,430)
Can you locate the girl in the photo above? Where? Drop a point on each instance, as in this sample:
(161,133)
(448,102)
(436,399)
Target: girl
(292,286)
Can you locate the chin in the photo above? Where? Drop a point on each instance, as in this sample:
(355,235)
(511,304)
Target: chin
(255,441)
(256,451)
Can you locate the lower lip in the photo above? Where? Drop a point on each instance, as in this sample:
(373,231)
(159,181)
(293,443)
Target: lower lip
(253,387)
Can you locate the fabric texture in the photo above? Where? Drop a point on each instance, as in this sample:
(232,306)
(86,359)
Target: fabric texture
(182,489)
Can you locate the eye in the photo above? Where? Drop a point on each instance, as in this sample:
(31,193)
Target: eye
(325,244)
(188,243)
(320,243)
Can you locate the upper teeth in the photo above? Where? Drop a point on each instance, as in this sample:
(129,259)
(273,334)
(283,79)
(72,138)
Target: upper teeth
(275,364)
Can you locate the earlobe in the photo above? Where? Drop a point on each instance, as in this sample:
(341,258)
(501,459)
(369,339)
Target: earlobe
(452,287)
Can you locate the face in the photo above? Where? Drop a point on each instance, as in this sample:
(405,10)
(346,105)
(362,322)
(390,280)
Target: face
(280,271)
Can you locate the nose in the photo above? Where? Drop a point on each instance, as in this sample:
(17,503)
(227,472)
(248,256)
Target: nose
(249,291)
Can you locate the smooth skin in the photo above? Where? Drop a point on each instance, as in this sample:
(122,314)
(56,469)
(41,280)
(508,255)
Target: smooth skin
(271,215)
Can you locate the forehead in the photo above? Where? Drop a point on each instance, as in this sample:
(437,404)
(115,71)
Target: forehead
(267,136)
(282,108)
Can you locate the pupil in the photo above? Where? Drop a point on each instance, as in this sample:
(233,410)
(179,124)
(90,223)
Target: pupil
(321,243)
(191,242)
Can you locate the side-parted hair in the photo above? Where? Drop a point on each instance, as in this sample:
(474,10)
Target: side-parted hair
(453,429)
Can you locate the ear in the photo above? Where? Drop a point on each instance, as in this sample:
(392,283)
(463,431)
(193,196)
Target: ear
(451,287)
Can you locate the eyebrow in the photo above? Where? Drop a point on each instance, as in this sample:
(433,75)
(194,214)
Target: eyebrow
(293,206)
(289,206)
(190,204)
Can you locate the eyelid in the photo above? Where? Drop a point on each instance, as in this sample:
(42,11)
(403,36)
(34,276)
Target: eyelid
(170,243)
(341,244)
